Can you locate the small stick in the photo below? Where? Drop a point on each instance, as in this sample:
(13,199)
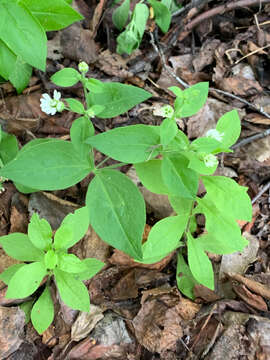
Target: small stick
(263,190)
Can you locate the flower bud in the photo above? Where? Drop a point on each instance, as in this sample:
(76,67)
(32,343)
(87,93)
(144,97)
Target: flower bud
(83,67)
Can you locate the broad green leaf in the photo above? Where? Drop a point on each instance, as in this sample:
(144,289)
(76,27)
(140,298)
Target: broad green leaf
(66,77)
(184,277)
(205,144)
(39,232)
(117,98)
(199,263)
(75,105)
(149,173)
(93,267)
(162,15)
(117,211)
(70,263)
(51,165)
(23,34)
(120,15)
(18,246)
(79,222)
(42,313)
(220,245)
(27,307)
(26,280)
(164,238)
(94,85)
(219,223)
(7,60)
(63,236)
(8,147)
(130,144)
(168,130)
(21,74)
(180,180)
(81,129)
(6,275)
(230,126)
(72,292)
(140,17)
(181,205)
(192,100)
(128,41)
(51,259)
(53,14)
(228,196)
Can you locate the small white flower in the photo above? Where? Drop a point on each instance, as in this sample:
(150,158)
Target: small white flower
(83,67)
(51,106)
(210,160)
(215,134)
(165,111)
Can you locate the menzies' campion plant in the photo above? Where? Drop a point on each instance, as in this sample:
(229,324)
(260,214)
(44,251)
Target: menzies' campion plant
(47,258)
(166,163)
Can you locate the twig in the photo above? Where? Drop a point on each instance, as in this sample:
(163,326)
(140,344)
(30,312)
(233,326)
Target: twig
(215,11)
(251,138)
(264,189)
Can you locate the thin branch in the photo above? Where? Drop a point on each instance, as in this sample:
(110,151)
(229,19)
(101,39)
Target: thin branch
(251,139)
(264,189)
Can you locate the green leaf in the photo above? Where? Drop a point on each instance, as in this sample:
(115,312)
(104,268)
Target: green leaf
(205,144)
(180,180)
(117,211)
(164,238)
(27,307)
(63,236)
(181,205)
(199,164)
(230,126)
(75,105)
(184,277)
(128,41)
(120,15)
(93,267)
(79,222)
(51,165)
(6,275)
(66,77)
(192,100)
(130,144)
(26,280)
(18,246)
(72,292)
(23,34)
(199,263)
(51,260)
(53,14)
(94,85)
(219,245)
(117,98)
(168,130)
(149,173)
(7,60)
(70,263)
(220,224)
(39,232)
(162,15)
(8,147)
(42,313)
(139,18)
(228,196)
(81,129)
(20,75)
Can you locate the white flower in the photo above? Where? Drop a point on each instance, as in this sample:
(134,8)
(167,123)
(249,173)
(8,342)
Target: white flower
(83,67)
(215,134)
(165,111)
(51,106)
(210,160)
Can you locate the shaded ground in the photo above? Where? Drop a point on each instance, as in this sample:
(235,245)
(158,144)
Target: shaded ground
(137,312)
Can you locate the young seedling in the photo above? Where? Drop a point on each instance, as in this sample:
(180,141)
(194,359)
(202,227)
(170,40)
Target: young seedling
(166,163)
(45,257)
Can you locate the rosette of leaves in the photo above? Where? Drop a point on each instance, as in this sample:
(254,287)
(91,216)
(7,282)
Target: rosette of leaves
(23,41)
(43,258)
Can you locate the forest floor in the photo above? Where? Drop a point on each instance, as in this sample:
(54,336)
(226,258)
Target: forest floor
(137,312)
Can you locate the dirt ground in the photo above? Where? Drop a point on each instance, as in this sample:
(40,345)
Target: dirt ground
(137,312)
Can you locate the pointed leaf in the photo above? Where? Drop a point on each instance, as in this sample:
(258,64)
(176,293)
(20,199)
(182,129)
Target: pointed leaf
(66,77)
(162,15)
(39,232)
(51,259)
(42,313)
(120,15)
(63,236)
(26,280)
(184,277)
(168,130)
(230,126)
(93,267)
(6,275)
(117,211)
(70,263)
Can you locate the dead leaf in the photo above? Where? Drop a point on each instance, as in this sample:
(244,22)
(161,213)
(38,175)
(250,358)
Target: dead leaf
(251,299)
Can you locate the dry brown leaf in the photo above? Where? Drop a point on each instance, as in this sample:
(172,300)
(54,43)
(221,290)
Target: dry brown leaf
(251,299)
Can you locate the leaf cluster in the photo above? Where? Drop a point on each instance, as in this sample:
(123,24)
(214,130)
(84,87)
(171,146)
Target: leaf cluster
(42,257)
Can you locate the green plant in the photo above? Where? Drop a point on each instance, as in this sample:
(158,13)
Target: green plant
(130,39)
(23,42)
(47,258)
(166,163)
